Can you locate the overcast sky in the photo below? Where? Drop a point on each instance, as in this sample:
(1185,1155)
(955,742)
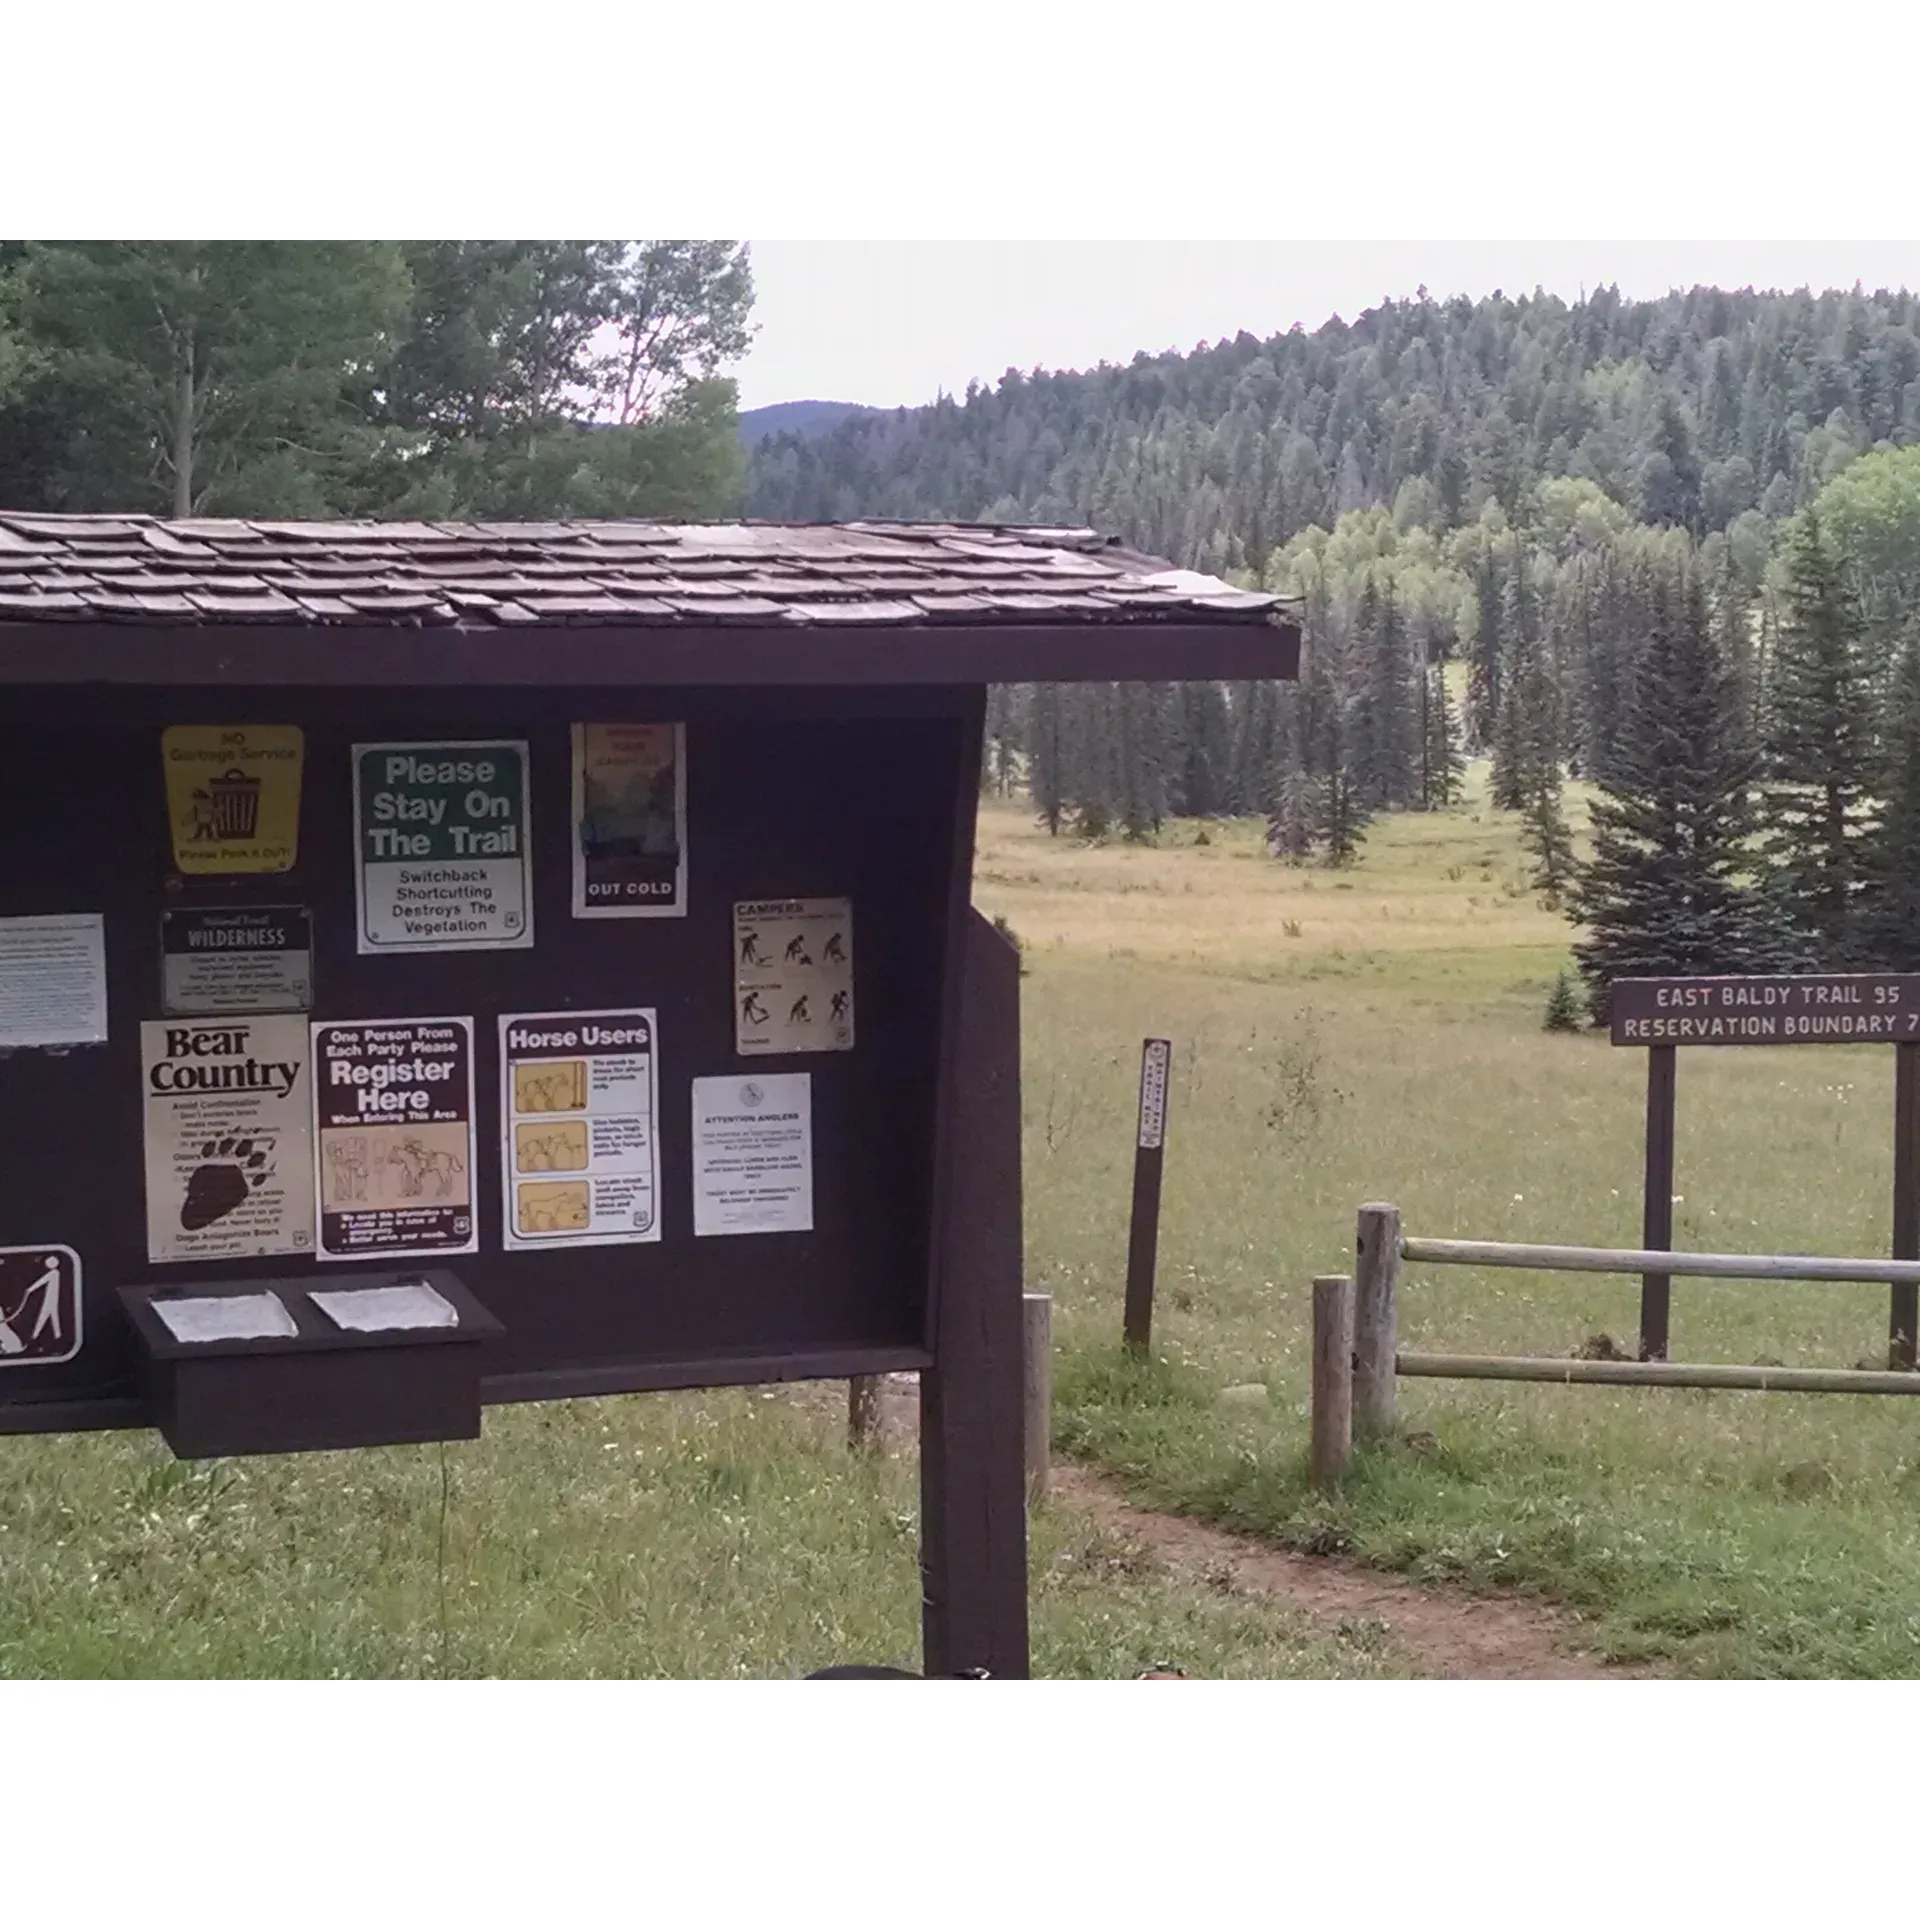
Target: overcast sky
(890,323)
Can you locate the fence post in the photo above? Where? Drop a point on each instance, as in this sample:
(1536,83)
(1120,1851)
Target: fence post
(1332,1380)
(863,1411)
(1037,1349)
(1376,1318)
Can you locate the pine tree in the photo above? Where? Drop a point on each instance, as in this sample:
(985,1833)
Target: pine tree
(1390,718)
(1533,697)
(1139,717)
(1894,851)
(1256,727)
(1819,755)
(1293,818)
(1047,756)
(1093,775)
(1443,766)
(1343,816)
(1516,720)
(1544,832)
(1664,891)
(1484,659)
(1003,728)
(1204,751)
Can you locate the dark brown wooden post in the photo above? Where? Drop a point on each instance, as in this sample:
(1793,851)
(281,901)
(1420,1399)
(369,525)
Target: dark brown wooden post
(1903,1326)
(1657,1211)
(1143,1233)
(973,1511)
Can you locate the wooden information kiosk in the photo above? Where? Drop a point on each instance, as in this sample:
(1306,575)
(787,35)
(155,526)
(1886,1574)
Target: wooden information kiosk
(451,964)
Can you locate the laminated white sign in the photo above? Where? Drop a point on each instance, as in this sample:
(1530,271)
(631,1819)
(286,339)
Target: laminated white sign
(753,1154)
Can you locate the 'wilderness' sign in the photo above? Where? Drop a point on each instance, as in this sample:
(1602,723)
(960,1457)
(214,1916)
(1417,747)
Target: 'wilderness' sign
(1766,1010)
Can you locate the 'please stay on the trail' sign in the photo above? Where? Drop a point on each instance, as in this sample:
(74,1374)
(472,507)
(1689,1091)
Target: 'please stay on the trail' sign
(1766,1010)
(441,845)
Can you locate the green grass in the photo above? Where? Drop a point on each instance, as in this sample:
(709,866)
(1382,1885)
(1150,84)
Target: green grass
(1375,1035)
(721,1534)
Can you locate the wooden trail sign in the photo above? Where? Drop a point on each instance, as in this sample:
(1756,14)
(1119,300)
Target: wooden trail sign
(1834,1009)
(1772,1010)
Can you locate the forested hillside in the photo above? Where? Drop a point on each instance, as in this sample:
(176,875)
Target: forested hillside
(1674,544)
(1687,411)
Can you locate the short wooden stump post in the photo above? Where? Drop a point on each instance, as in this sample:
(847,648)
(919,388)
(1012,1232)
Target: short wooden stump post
(863,1411)
(1332,1447)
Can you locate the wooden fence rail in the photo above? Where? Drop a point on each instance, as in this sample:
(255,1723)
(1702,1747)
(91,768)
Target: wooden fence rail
(1359,1385)
(1718,1266)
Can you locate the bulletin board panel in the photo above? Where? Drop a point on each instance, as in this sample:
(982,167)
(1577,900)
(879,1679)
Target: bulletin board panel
(864,795)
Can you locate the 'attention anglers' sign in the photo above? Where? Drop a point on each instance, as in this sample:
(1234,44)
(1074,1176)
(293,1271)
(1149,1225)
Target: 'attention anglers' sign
(441,845)
(1766,1010)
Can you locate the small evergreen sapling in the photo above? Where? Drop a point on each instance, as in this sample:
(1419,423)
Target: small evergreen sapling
(1563,1005)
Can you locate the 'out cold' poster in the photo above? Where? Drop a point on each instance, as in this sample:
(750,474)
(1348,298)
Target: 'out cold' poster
(580,1137)
(394,1141)
(229,1140)
(441,845)
(629,821)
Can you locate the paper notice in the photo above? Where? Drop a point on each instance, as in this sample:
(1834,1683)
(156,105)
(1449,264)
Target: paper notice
(387,1309)
(753,1154)
(226,1316)
(793,976)
(53,980)
(629,821)
(229,1137)
(579,1128)
(395,1137)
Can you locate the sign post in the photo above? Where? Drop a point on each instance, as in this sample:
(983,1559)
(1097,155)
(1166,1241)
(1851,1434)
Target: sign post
(1903,1324)
(1826,1009)
(1143,1234)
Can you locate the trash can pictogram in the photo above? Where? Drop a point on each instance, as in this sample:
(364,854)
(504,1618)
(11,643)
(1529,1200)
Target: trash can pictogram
(235,804)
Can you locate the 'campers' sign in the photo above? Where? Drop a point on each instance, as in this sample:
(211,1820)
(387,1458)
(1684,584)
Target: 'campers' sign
(1766,1010)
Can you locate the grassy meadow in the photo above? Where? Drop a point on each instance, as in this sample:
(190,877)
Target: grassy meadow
(1373,1034)
(1376,1035)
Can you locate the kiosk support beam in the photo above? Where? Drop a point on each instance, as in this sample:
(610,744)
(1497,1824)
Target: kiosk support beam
(973,1519)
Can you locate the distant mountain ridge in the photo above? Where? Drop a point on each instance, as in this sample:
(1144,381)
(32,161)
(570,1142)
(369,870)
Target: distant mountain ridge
(806,419)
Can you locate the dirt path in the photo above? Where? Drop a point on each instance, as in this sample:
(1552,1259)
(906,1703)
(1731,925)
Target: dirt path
(1441,1635)
(1445,1636)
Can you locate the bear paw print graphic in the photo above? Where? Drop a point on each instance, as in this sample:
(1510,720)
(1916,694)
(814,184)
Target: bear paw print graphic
(229,1170)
